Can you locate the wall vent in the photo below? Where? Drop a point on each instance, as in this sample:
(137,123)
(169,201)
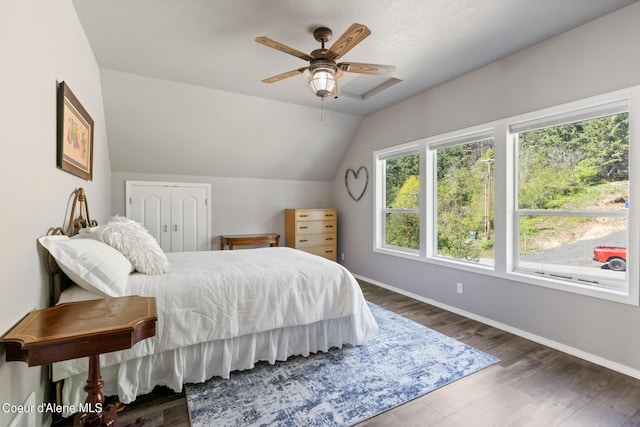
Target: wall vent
(363,87)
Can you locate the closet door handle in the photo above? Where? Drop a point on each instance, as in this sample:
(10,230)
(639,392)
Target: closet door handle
(165,228)
(175,227)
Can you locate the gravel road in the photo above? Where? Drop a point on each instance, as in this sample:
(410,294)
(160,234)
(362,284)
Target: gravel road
(577,253)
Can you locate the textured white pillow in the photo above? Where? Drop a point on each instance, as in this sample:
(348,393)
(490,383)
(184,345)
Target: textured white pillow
(90,264)
(134,242)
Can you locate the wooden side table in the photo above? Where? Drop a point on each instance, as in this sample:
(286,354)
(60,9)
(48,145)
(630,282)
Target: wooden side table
(81,329)
(271,239)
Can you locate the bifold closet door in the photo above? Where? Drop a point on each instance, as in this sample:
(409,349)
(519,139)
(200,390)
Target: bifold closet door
(175,215)
(188,219)
(151,206)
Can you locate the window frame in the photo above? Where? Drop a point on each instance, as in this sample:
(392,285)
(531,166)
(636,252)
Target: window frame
(580,112)
(380,190)
(506,233)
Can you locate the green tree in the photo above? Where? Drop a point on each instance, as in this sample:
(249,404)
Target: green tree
(465,179)
(559,161)
(606,142)
(398,170)
(403,229)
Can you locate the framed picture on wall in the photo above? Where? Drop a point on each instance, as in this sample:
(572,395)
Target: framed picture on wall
(75,135)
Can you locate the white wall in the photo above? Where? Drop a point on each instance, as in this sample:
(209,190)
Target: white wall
(240,205)
(164,127)
(41,43)
(596,58)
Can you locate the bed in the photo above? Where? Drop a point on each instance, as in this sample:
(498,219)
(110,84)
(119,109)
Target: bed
(218,311)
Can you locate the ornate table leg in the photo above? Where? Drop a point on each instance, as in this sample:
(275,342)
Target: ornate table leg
(94,413)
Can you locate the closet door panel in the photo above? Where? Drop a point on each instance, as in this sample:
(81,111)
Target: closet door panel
(189,219)
(151,206)
(176,214)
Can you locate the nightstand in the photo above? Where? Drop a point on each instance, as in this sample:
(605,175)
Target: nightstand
(81,329)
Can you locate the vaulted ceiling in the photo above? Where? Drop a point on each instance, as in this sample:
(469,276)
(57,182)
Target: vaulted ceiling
(182,78)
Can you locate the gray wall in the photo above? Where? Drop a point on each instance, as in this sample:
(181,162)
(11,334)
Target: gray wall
(240,205)
(593,59)
(40,43)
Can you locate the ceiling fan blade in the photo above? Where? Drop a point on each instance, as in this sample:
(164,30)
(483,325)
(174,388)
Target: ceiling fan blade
(347,41)
(283,48)
(375,69)
(283,76)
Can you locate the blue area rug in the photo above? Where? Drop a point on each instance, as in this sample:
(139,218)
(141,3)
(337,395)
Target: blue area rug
(342,387)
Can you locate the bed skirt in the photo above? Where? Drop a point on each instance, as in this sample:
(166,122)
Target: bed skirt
(198,363)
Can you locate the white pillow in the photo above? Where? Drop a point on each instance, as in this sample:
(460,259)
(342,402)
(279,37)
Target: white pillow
(90,264)
(92,233)
(134,242)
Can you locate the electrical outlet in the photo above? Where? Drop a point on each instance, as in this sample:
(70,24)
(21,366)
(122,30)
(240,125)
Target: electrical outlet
(459,287)
(342,256)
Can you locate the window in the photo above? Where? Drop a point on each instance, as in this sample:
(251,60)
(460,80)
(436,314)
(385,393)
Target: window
(545,198)
(464,199)
(400,188)
(572,188)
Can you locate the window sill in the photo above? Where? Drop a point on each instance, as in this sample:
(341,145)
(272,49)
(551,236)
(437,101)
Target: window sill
(522,277)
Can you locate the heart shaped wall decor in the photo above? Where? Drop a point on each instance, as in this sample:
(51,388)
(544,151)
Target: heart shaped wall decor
(352,179)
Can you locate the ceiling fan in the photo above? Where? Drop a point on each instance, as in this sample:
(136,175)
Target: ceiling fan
(323,72)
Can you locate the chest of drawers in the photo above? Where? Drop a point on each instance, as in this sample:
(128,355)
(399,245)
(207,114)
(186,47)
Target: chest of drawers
(313,231)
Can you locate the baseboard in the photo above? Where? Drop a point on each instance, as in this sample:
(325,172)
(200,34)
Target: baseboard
(632,372)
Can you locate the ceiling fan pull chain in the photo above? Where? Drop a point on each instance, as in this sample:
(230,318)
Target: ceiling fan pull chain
(321,108)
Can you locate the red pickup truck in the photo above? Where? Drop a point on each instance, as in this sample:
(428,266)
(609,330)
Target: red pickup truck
(614,256)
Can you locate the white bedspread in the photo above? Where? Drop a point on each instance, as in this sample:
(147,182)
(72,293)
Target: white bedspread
(215,295)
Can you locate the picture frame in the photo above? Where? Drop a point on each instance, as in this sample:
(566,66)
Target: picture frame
(74,135)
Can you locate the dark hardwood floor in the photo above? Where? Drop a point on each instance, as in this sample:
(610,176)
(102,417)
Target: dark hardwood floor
(533,385)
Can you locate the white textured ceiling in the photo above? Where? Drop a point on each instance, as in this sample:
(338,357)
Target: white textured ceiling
(182,88)
(211,43)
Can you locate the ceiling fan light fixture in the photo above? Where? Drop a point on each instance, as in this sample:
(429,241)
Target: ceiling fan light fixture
(323,72)
(322,81)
